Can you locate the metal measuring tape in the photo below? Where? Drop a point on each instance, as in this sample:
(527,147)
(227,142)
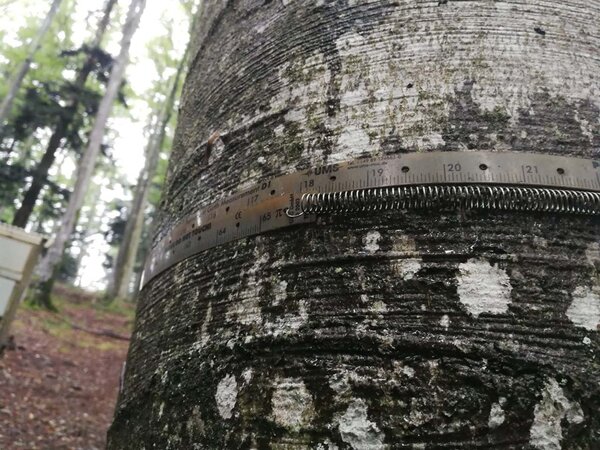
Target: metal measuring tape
(435,180)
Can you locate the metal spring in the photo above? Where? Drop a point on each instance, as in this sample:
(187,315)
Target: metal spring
(453,197)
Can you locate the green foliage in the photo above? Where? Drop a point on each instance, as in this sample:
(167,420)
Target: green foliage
(52,94)
(46,65)
(49,92)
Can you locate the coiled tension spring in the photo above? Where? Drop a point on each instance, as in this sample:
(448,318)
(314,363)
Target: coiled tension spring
(449,197)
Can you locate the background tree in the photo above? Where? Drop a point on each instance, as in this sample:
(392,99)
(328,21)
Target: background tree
(36,105)
(70,119)
(87,162)
(394,330)
(124,265)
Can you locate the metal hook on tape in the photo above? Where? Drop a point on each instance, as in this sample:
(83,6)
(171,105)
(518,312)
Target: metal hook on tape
(435,180)
(293,215)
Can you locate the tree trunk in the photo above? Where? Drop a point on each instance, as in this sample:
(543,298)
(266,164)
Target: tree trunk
(19,76)
(40,174)
(386,330)
(40,177)
(118,286)
(87,162)
(128,250)
(91,226)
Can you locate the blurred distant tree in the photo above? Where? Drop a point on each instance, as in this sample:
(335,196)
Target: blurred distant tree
(79,103)
(164,104)
(87,162)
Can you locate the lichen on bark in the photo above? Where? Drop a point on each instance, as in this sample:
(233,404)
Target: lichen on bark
(364,331)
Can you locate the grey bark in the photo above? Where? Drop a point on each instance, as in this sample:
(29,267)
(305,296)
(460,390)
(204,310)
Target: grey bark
(380,331)
(19,75)
(87,162)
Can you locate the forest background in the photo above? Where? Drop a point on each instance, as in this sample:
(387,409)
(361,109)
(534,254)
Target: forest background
(49,88)
(61,365)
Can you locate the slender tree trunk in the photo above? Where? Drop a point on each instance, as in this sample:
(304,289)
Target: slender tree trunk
(123,268)
(389,330)
(40,174)
(19,76)
(118,286)
(90,225)
(88,160)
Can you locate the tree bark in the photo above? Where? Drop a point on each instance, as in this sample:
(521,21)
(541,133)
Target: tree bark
(40,175)
(88,160)
(392,330)
(19,76)
(128,250)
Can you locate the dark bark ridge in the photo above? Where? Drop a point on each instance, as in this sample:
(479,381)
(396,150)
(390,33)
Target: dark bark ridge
(395,330)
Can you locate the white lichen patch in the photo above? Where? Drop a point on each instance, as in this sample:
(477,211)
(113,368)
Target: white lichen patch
(327,445)
(279,292)
(217,148)
(357,430)
(587,129)
(226,396)
(407,268)
(379,307)
(497,416)
(445,321)
(247,375)
(292,403)
(483,288)
(592,253)
(546,430)
(584,310)
(204,335)
(371,241)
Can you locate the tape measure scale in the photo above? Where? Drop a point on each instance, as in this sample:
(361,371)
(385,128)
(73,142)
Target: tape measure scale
(440,180)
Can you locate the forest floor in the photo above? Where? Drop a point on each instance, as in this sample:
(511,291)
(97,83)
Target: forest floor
(59,381)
